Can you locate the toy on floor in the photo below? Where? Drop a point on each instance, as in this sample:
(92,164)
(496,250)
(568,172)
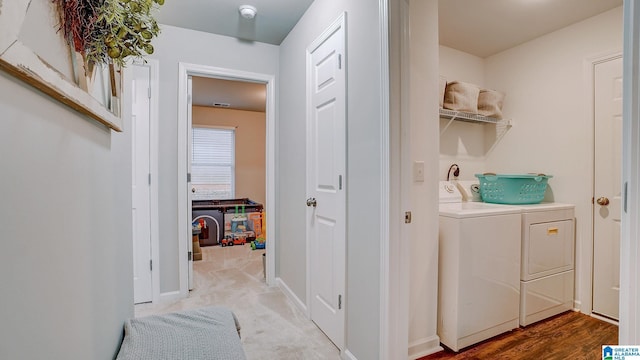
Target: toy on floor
(232,239)
(258,243)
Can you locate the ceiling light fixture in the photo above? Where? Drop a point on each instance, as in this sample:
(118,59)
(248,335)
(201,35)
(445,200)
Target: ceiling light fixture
(248,11)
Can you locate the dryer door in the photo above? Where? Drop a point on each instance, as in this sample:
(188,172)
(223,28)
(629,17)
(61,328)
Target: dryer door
(548,249)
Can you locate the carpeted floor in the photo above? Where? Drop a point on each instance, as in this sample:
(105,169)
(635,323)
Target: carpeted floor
(272,326)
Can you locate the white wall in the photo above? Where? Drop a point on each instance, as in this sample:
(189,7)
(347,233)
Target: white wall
(175,45)
(424,139)
(547,98)
(65,228)
(462,143)
(363,161)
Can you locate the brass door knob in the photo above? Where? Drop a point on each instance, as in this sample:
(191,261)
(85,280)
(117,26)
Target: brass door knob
(312,202)
(603,201)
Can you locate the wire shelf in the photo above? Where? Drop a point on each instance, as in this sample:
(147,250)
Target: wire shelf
(468,117)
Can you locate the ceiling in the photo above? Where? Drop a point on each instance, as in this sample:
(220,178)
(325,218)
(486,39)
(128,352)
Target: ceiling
(238,95)
(487,27)
(274,19)
(478,27)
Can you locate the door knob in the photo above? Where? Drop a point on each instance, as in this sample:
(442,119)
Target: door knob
(603,201)
(312,202)
(193,190)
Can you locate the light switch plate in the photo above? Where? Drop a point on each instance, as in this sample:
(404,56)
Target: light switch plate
(418,171)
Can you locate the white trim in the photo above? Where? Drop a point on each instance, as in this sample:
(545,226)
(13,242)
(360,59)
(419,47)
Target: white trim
(184,71)
(183,207)
(291,295)
(396,249)
(629,330)
(154,148)
(424,347)
(605,319)
(270,211)
(389,310)
(577,305)
(347,355)
(170,296)
(308,185)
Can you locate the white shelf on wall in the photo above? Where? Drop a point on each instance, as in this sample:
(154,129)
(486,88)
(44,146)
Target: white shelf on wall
(454,115)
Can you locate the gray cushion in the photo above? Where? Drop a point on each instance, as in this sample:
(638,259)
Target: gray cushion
(201,334)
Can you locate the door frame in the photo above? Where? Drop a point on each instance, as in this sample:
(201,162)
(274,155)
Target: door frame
(154,83)
(184,124)
(585,304)
(629,245)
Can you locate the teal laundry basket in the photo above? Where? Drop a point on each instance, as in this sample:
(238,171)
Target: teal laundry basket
(513,189)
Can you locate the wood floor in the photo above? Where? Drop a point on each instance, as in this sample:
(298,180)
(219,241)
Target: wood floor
(567,336)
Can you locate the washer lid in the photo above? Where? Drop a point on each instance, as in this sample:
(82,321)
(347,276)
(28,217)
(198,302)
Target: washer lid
(476,209)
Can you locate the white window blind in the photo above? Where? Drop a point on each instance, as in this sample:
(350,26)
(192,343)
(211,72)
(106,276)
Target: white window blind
(213,163)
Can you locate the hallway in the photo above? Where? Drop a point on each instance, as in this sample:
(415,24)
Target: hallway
(272,326)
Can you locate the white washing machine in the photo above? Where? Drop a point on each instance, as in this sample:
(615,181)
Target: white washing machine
(479,269)
(547,273)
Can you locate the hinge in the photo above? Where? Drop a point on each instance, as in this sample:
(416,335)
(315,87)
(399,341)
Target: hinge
(150,265)
(188,177)
(340,182)
(624,200)
(407,217)
(339,302)
(149,179)
(149,92)
(339,61)
(593,200)
(189,256)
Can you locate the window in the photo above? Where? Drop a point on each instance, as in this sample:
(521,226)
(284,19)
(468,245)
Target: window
(213,163)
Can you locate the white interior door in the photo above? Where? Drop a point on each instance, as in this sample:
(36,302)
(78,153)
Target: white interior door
(607,194)
(326,169)
(140,183)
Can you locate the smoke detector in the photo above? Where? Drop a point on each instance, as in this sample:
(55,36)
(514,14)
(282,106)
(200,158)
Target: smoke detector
(248,11)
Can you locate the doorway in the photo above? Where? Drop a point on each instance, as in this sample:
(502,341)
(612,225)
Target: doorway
(187,71)
(228,167)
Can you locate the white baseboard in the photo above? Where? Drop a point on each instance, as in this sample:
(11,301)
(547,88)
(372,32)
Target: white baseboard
(291,295)
(169,296)
(605,319)
(423,347)
(577,306)
(347,355)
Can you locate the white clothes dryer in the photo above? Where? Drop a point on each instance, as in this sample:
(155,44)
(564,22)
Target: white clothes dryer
(548,251)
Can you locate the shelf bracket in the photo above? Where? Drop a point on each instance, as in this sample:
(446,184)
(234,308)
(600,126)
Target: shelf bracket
(442,131)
